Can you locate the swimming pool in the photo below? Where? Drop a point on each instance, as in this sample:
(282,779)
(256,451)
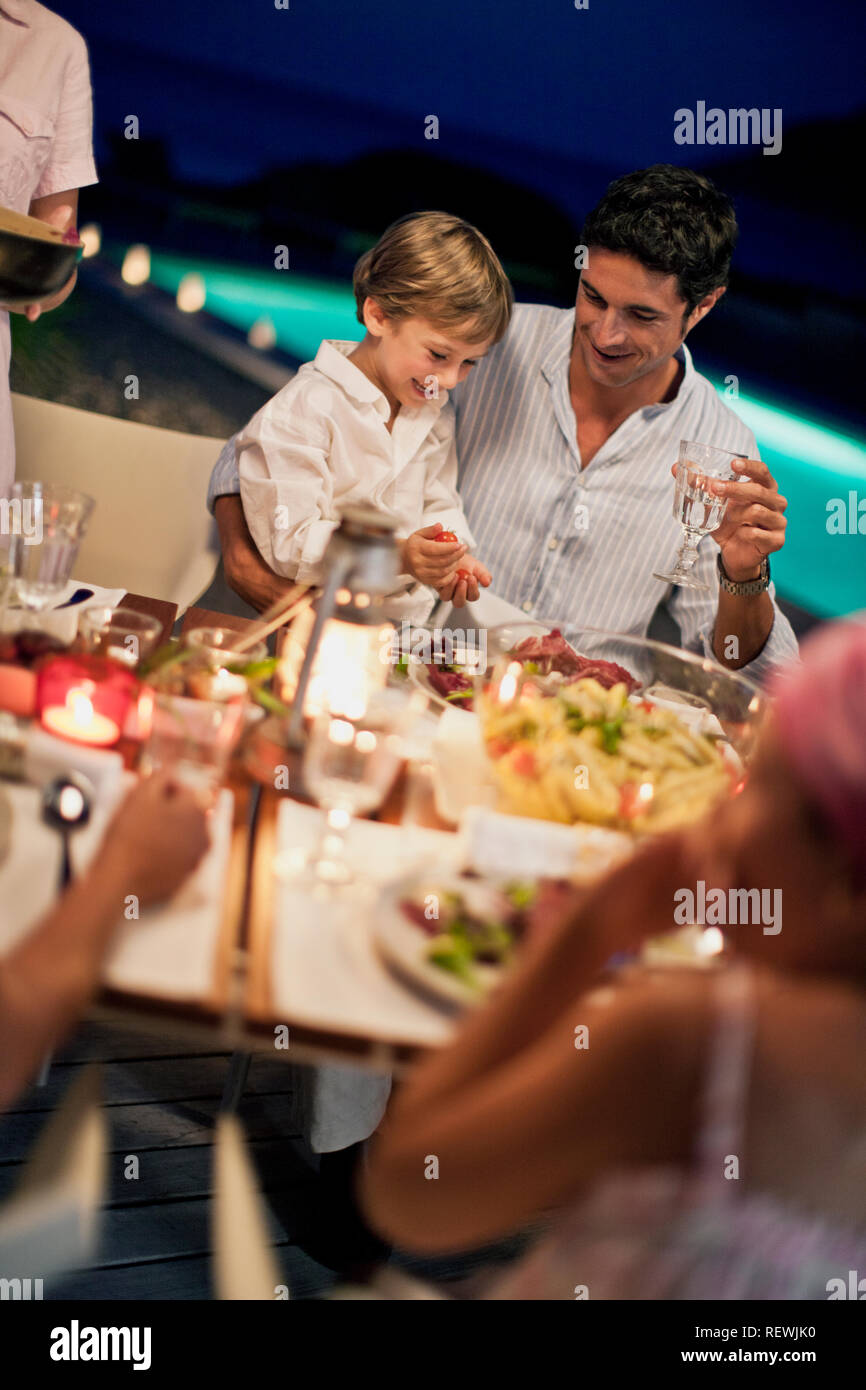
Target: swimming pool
(821,470)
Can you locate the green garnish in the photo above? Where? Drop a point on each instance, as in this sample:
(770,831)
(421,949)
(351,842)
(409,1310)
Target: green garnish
(460,695)
(453,954)
(520,895)
(170,653)
(255,670)
(531,668)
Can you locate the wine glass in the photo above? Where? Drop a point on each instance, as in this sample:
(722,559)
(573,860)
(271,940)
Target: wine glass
(697,507)
(349,767)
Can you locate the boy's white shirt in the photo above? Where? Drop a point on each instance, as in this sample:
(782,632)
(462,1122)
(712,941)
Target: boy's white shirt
(321,443)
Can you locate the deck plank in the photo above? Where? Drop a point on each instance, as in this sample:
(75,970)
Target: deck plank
(168,1079)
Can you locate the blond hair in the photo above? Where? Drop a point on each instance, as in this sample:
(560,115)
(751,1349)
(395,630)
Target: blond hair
(437,267)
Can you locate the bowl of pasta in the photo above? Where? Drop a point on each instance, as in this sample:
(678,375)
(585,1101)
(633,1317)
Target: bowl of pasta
(612,730)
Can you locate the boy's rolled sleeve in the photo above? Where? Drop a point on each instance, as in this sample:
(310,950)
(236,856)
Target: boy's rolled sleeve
(287,492)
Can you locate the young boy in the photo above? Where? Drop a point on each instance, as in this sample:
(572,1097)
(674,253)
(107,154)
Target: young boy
(369,423)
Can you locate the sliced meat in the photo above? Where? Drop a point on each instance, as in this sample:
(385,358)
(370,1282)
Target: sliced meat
(446,683)
(607,673)
(552,653)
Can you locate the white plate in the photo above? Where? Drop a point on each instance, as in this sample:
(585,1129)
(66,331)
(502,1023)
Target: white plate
(420,678)
(405,946)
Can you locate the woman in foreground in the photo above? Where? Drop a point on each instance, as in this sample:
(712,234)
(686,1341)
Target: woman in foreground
(708,1138)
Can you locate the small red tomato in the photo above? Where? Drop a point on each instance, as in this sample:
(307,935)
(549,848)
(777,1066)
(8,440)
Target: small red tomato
(463,574)
(523,762)
(448,536)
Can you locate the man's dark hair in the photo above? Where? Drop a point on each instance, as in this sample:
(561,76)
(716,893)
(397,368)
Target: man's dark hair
(673,221)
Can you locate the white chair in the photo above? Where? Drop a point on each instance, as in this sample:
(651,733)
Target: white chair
(150,532)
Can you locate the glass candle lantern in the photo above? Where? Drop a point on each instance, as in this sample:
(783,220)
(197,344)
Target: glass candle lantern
(339,654)
(351,662)
(85,699)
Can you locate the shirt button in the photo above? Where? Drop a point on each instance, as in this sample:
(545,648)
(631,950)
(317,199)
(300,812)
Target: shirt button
(526,605)
(553,543)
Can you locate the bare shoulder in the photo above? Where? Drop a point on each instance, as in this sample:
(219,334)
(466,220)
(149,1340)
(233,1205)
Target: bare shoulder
(655,1026)
(812,1022)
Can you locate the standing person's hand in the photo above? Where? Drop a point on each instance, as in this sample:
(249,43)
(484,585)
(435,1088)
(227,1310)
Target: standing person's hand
(155,839)
(60,217)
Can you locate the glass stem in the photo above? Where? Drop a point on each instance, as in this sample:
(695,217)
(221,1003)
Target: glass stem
(689,551)
(331,857)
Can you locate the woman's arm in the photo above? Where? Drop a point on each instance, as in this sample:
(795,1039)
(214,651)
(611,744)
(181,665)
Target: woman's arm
(521,1118)
(154,841)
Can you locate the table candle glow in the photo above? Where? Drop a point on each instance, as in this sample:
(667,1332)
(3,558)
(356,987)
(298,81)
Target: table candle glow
(84,698)
(78,720)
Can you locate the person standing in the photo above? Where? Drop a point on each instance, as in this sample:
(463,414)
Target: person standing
(46,150)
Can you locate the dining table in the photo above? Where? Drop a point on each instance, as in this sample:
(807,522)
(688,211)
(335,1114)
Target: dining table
(240,1010)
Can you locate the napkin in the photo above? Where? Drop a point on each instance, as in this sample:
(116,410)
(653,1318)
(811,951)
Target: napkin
(61,622)
(47,757)
(496,844)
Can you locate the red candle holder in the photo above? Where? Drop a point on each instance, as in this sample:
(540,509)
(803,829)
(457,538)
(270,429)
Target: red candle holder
(85,699)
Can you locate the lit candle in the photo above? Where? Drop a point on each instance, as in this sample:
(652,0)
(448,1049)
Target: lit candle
(85,698)
(78,720)
(348,666)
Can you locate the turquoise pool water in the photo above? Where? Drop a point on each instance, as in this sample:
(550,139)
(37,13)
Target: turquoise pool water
(821,471)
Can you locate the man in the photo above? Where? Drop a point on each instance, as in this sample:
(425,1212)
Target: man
(46,153)
(568,430)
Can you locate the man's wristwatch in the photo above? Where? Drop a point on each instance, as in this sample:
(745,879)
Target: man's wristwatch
(745,587)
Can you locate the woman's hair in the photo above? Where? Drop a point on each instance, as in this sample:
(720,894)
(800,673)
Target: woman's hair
(673,221)
(440,268)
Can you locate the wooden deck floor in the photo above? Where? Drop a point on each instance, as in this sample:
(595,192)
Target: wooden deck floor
(161,1098)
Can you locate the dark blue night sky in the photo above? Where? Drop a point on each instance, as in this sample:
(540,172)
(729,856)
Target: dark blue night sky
(600,84)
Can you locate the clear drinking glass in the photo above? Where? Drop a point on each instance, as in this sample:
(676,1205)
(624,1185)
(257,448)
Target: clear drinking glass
(697,507)
(121,634)
(194,738)
(49,522)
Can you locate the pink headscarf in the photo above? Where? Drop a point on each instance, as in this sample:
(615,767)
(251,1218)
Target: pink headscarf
(821,718)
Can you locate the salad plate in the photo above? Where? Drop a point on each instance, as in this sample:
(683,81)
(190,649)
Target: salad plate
(452,935)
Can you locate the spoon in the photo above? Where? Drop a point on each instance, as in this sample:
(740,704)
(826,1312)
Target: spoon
(66,804)
(78,597)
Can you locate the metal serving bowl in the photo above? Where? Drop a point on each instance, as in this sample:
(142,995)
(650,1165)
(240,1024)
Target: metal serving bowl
(35,261)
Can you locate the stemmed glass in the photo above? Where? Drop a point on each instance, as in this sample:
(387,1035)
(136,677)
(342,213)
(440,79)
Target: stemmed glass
(697,507)
(349,767)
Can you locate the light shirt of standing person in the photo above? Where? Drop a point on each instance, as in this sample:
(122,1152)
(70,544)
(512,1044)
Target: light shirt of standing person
(46,149)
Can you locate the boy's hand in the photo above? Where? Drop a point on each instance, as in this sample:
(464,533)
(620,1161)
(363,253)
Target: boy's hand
(462,586)
(430,561)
